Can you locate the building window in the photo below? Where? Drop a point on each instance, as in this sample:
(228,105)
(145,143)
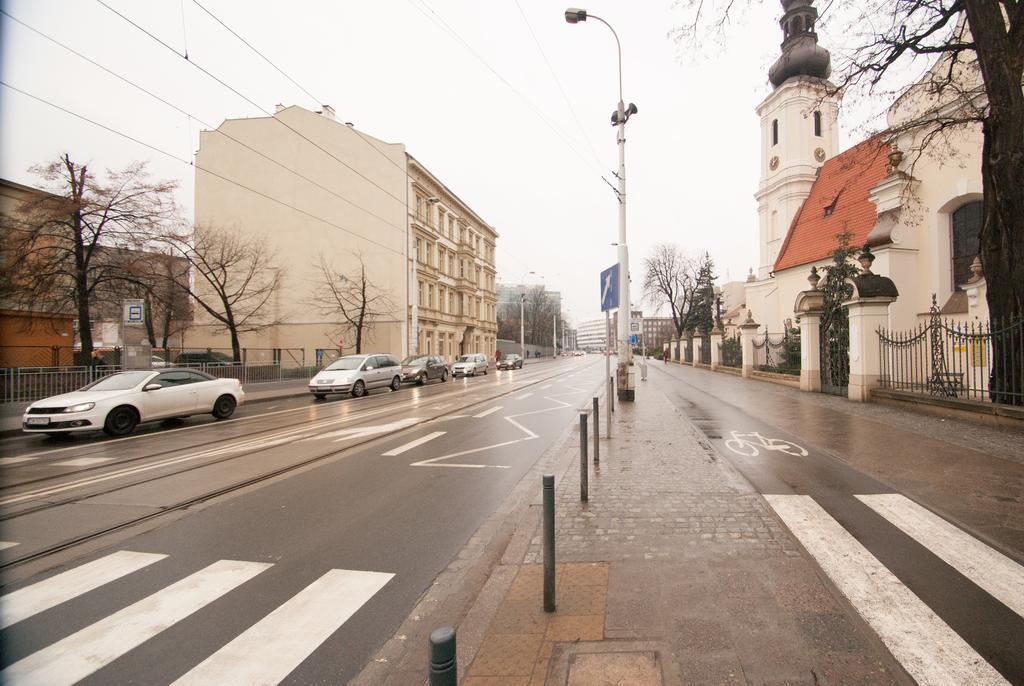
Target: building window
(440,220)
(451,303)
(430,296)
(775,131)
(817,123)
(419,292)
(419,250)
(965,234)
(420,208)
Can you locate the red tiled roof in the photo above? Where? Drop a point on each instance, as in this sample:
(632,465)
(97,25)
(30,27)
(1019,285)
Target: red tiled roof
(845,180)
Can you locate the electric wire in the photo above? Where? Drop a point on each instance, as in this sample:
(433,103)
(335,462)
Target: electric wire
(189,116)
(249,100)
(196,166)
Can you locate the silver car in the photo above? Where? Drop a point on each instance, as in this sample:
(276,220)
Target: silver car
(470,365)
(357,374)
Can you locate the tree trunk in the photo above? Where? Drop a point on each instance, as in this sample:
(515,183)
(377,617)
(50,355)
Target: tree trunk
(1001,248)
(150,328)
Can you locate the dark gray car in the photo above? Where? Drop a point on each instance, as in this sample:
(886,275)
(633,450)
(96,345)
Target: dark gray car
(423,368)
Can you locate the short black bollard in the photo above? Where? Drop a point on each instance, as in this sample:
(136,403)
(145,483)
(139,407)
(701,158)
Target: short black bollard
(608,409)
(549,542)
(597,432)
(443,668)
(583,456)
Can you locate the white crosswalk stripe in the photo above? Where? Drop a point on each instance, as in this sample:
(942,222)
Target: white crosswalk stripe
(270,649)
(992,571)
(930,651)
(73,658)
(265,653)
(41,596)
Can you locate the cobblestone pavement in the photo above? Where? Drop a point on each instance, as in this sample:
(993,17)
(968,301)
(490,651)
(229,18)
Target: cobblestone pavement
(691,579)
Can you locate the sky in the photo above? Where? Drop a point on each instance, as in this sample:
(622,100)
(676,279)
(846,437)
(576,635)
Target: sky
(503,100)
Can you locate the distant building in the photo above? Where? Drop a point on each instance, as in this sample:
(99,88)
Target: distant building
(591,335)
(658,330)
(316,187)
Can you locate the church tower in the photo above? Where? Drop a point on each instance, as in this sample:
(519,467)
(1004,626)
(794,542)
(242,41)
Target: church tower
(799,129)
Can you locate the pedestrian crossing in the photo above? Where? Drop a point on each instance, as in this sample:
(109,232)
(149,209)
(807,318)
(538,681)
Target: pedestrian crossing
(264,653)
(927,647)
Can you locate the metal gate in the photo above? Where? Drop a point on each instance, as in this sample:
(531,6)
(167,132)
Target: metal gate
(835,354)
(705,348)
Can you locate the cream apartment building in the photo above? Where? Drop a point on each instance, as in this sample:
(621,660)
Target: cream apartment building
(316,188)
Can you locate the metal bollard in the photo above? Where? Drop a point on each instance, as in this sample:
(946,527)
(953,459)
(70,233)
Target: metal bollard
(443,667)
(583,456)
(608,410)
(597,432)
(549,542)
(611,393)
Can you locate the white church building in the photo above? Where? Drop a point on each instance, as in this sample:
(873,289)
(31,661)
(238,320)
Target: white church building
(919,213)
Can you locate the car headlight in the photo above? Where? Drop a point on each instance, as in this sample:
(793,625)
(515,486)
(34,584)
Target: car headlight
(80,407)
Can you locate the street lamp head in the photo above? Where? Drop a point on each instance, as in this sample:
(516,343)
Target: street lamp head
(573,15)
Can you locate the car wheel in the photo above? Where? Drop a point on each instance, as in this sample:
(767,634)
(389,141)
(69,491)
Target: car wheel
(358,389)
(121,421)
(396,383)
(421,379)
(224,407)
(319,396)
(444,376)
(485,370)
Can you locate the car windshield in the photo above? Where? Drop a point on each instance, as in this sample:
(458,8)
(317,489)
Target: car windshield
(464,358)
(121,381)
(415,361)
(346,364)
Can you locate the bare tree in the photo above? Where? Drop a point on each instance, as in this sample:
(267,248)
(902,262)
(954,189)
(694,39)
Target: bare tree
(353,299)
(155,278)
(538,313)
(70,240)
(670,278)
(976,54)
(235,277)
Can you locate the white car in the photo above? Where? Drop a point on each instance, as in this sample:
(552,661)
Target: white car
(356,374)
(119,402)
(470,365)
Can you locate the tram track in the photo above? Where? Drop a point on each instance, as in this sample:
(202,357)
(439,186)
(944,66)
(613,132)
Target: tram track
(231,487)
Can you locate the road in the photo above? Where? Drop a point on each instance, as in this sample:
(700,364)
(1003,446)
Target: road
(861,496)
(288,543)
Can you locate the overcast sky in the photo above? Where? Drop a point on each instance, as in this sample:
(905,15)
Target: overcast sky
(503,100)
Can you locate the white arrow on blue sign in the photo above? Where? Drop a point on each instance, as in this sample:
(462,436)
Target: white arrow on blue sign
(610,288)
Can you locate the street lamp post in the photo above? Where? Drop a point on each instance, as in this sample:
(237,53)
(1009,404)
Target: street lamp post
(522,334)
(619,118)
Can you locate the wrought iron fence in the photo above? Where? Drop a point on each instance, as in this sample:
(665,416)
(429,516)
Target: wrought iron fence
(730,352)
(777,353)
(705,349)
(688,352)
(977,360)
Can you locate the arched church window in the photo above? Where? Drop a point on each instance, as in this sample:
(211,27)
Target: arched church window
(966,231)
(775,131)
(817,123)
(799,22)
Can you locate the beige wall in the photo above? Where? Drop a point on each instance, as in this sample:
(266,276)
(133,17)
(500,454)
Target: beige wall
(369,218)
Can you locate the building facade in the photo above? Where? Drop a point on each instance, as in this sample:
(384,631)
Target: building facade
(319,191)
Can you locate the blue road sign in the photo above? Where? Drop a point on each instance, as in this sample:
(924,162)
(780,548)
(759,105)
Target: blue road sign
(610,288)
(633,339)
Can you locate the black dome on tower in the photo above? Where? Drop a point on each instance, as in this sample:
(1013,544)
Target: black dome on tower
(801,54)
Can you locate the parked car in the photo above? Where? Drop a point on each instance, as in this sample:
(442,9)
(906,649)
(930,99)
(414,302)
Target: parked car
(470,365)
(157,362)
(119,402)
(423,368)
(356,374)
(512,361)
(208,357)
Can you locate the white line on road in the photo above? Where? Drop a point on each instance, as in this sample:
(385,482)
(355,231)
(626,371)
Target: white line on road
(412,444)
(544,388)
(925,645)
(71,659)
(487,412)
(274,646)
(524,396)
(4,545)
(32,600)
(82,461)
(989,569)
(14,460)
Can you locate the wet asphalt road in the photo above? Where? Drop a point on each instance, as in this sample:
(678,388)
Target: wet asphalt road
(787,447)
(380,499)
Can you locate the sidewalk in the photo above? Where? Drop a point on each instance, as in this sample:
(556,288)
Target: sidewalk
(675,568)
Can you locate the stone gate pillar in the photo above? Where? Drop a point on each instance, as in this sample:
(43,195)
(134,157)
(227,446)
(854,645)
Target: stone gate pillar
(674,347)
(696,342)
(808,308)
(868,311)
(716,347)
(747,331)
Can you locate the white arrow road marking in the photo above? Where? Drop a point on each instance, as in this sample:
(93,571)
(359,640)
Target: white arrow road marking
(530,435)
(487,412)
(274,646)
(363,431)
(524,396)
(992,571)
(544,388)
(51,592)
(6,544)
(412,444)
(71,659)
(925,645)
